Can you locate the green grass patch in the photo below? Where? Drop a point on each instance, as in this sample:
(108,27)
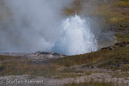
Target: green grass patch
(116,59)
(122,37)
(122,3)
(106,58)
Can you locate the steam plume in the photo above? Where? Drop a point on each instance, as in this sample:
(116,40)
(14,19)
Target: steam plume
(33,25)
(30,25)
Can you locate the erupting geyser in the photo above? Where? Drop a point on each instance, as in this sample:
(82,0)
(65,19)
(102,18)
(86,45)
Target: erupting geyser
(36,25)
(76,37)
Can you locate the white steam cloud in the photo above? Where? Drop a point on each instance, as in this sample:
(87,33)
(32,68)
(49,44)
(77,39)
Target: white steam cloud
(33,25)
(29,25)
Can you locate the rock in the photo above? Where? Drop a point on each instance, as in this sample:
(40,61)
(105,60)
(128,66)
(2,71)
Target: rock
(92,66)
(111,48)
(123,44)
(127,45)
(44,55)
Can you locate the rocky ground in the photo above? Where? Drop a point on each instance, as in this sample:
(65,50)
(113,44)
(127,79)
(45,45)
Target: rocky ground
(41,56)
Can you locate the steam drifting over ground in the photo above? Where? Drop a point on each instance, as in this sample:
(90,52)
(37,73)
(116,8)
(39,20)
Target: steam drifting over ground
(33,25)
